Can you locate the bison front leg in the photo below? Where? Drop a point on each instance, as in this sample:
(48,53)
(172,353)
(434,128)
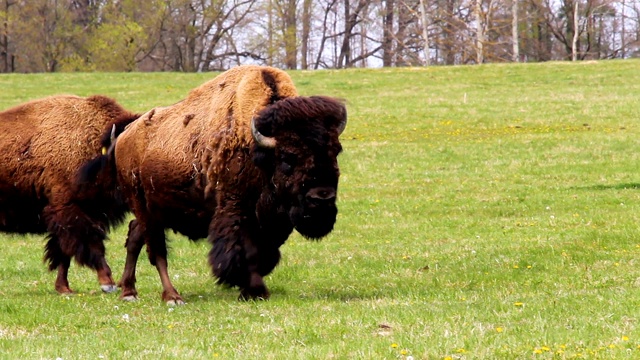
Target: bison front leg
(157,251)
(140,234)
(235,259)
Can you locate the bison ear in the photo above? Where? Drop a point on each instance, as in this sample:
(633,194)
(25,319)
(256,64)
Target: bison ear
(338,112)
(342,119)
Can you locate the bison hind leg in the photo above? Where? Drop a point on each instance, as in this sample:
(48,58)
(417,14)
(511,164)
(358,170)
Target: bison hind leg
(75,234)
(53,254)
(57,259)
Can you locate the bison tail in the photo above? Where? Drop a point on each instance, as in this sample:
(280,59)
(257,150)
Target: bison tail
(95,186)
(92,170)
(89,172)
(74,234)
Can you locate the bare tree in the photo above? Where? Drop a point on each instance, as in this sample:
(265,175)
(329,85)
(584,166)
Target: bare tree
(387,33)
(306,33)
(289,29)
(203,35)
(479,31)
(576,32)
(329,8)
(514,31)
(7,58)
(352,18)
(425,32)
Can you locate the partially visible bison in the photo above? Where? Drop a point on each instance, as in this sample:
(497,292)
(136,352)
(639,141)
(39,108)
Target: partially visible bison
(43,143)
(243,160)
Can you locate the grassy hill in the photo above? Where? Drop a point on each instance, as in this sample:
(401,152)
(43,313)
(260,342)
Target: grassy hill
(485,212)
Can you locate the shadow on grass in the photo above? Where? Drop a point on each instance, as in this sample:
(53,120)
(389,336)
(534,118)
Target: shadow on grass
(282,294)
(609,187)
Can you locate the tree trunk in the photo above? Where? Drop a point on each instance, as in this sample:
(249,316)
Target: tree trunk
(425,32)
(479,32)
(387,34)
(450,36)
(401,35)
(325,29)
(345,50)
(306,30)
(514,31)
(623,34)
(290,38)
(574,43)
(4,51)
(270,28)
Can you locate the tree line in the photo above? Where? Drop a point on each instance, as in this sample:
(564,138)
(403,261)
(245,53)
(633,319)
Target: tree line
(206,35)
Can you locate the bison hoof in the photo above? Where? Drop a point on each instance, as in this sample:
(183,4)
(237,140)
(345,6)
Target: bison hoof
(176,302)
(64,290)
(130,298)
(109,288)
(246,295)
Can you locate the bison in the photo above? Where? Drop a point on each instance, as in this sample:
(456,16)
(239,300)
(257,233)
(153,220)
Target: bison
(43,143)
(243,160)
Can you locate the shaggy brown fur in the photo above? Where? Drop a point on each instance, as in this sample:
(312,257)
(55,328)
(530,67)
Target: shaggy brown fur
(194,167)
(42,145)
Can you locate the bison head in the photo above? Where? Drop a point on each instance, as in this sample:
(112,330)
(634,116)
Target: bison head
(297,146)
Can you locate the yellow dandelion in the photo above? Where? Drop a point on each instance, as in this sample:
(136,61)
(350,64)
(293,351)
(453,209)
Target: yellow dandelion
(499,329)
(403,352)
(625,338)
(516,266)
(448,358)
(537,351)
(545,348)
(529,266)
(461,351)
(519,304)
(394,345)
(612,346)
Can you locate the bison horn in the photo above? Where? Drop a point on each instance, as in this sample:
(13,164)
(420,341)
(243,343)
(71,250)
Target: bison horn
(113,134)
(261,140)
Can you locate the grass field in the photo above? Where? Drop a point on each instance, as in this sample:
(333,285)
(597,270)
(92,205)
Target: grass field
(485,212)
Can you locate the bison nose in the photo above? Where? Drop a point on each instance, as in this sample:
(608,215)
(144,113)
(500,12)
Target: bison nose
(321,195)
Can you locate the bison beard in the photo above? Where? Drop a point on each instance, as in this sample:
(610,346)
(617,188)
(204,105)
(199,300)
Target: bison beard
(243,160)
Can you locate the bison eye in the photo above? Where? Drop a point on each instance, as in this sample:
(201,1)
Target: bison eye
(286,168)
(287,162)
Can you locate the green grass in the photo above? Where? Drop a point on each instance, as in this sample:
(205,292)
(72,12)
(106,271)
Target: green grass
(485,212)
